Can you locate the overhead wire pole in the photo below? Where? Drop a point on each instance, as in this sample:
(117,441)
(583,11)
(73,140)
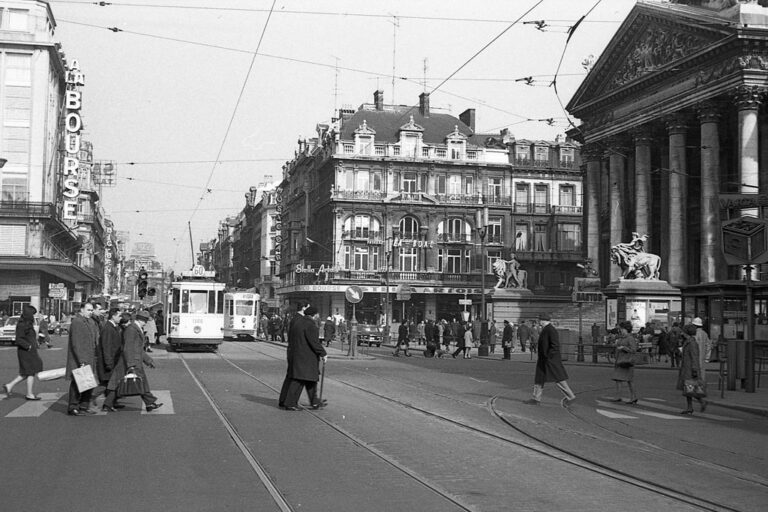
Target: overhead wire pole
(191,244)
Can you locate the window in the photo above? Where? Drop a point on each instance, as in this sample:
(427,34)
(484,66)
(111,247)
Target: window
(365,144)
(540,238)
(494,189)
(423,183)
(569,237)
(456,149)
(522,197)
(425,151)
(469,185)
(453,261)
(492,256)
(521,237)
(408,259)
(361,258)
(17,20)
(409,228)
(522,154)
(395,150)
(14,189)
(441,184)
(440,152)
(409,144)
(362,180)
(454,230)
(18,69)
(541,198)
(541,154)
(360,226)
(567,195)
(493,233)
(454,184)
(377,182)
(14,239)
(566,157)
(409,182)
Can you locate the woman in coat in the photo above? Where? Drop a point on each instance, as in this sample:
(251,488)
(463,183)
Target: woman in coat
(461,343)
(30,363)
(626,346)
(492,335)
(690,367)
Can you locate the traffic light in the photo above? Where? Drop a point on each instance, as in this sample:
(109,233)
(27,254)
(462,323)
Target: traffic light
(142,283)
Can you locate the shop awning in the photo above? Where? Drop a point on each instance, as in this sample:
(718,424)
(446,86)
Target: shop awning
(64,270)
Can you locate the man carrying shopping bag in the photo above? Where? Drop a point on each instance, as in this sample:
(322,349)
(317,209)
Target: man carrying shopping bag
(83,336)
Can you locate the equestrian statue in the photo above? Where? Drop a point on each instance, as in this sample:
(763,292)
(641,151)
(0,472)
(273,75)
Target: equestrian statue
(510,274)
(634,262)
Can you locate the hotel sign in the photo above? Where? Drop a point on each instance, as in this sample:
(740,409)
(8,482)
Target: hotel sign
(73,124)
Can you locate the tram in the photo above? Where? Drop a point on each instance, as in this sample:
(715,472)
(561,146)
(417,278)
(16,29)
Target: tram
(240,315)
(195,311)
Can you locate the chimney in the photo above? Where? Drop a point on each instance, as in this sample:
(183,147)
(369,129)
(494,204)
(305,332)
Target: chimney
(424,104)
(378,99)
(468,118)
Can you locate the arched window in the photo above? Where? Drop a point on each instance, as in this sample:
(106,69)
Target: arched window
(409,228)
(361,226)
(454,230)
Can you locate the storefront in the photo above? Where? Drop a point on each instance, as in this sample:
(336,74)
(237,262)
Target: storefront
(722,307)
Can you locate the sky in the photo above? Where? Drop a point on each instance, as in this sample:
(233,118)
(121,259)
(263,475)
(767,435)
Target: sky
(194,115)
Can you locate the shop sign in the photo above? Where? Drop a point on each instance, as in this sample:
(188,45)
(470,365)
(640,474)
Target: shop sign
(57,291)
(586,289)
(302,269)
(73,124)
(399,242)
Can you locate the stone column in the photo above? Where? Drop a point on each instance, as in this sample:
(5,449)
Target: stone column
(677,128)
(643,141)
(712,264)
(748,99)
(616,169)
(592,155)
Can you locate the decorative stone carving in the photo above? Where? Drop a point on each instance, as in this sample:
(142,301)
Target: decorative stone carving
(677,123)
(510,274)
(748,97)
(708,112)
(656,48)
(592,152)
(634,262)
(642,136)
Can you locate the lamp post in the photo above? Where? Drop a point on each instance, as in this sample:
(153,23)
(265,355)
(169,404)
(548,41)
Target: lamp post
(481,222)
(388,262)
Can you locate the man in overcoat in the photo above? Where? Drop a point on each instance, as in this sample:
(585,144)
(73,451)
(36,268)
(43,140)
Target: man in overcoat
(304,353)
(549,364)
(132,360)
(507,338)
(83,338)
(108,355)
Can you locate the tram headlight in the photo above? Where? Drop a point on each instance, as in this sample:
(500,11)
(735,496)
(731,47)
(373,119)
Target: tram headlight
(197,329)
(242,320)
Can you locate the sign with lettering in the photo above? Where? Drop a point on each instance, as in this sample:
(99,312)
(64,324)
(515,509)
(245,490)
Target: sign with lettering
(73,124)
(586,289)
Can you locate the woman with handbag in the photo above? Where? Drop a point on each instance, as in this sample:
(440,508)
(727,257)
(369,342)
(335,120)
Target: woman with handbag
(690,370)
(624,367)
(30,363)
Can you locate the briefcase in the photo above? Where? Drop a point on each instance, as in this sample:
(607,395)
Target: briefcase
(131,385)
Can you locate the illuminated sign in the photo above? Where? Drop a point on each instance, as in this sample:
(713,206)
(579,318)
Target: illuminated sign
(73,124)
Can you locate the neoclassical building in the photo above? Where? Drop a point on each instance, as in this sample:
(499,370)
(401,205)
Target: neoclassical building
(673,116)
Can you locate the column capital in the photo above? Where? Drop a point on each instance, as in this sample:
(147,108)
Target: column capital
(708,112)
(677,123)
(618,145)
(748,97)
(592,152)
(642,136)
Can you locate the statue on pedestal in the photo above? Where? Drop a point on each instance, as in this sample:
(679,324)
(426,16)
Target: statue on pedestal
(510,274)
(634,262)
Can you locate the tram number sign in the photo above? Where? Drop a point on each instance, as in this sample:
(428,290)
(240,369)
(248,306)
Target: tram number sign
(354,294)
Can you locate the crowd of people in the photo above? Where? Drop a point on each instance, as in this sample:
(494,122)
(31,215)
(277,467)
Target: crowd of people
(113,342)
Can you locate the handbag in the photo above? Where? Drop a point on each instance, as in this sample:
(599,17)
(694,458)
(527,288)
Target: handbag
(130,385)
(84,378)
(56,373)
(694,388)
(624,359)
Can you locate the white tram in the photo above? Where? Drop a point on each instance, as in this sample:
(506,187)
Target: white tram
(195,311)
(240,315)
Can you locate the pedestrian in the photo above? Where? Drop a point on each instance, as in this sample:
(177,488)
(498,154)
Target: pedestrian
(83,338)
(30,363)
(492,334)
(413,332)
(549,364)
(663,343)
(441,333)
(705,345)
(402,339)
(132,361)
(421,334)
(430,331)
(301,307)
(455,332)
(43,335)
(461,344)
(533,341)
(624,366)
(469,340)
(108,356)
(304,353)
(507,339)
(329,330)
(524,335)
(690,368)
(275,328)
(674,343)
(477,330)
(149,330)
(159,326)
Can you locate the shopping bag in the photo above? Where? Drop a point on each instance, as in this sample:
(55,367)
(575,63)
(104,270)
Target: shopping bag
(84,378)
(56,373)
(130,385)
(694,388)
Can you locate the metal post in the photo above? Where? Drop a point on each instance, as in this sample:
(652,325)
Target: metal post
(580,354)
(353,334)
(749,355)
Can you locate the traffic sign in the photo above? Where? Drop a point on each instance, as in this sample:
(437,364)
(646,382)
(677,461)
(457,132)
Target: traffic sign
(354,294)
(465,302)
(57,293)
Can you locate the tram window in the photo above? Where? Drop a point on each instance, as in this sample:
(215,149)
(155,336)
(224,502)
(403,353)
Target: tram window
(229,307)
(244,307)
(211,302)
(197,301)
(219,302)
(175,300)
(185,301)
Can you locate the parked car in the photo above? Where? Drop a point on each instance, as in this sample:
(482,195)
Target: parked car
(8,331)
(369,334)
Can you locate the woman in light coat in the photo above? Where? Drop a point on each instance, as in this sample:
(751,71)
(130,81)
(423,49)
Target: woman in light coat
(626,346)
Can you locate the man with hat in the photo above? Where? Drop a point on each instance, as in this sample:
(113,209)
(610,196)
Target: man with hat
(549,364)
(304,351)
(702,339)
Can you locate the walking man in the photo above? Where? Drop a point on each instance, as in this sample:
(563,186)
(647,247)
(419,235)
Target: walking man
(304,353)
(549,364)
(83,338)
(507,337)
(524,334)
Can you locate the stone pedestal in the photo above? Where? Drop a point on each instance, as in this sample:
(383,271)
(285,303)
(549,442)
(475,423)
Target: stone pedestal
(512,304)
(642,301)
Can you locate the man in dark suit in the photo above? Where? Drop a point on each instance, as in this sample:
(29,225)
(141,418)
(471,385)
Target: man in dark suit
(549,365)
(83,338)
(507,339)
(304,352)
(301,307)
(108,354)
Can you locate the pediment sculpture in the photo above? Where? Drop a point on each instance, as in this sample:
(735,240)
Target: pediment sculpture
(634,262)
(510,274)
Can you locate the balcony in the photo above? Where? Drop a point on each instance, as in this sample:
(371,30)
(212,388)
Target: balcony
(372,237)
(531,208)
(369,195)
(567,210)
(26,209)
(567,164)
(469,199)
(498,199)
(455,238)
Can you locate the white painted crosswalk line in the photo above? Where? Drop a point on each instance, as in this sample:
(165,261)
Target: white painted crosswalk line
(33,409)
(635,411)
(164,397)
(615,416)
(655,404)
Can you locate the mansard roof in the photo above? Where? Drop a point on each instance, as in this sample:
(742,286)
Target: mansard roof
(655,42)
(388,124)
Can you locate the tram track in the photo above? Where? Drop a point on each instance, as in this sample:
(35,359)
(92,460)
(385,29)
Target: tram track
(536,444)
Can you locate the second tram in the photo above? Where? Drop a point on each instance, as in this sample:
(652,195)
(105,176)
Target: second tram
(195,311)
(240,315)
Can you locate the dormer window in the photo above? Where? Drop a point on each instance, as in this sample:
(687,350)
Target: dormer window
(411,139)
(541,154)
(522,154)
(364,139)
(457,144)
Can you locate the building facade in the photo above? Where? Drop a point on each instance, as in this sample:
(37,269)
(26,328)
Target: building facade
(39,89)
(674,120)
(389,197)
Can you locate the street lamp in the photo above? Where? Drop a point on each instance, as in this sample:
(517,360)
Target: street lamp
(388,261)
(481,222)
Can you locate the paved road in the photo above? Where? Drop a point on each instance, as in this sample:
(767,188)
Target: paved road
(399,434)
